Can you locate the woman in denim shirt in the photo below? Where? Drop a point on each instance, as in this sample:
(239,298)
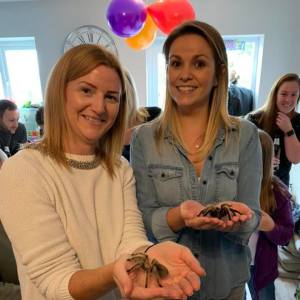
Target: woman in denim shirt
(195,150)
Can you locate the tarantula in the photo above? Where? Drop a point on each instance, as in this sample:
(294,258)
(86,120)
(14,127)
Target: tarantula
(142,261)
(225,210)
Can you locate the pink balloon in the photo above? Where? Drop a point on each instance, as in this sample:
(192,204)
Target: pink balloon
(167,14)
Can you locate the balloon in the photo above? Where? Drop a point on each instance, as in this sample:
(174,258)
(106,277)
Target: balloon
(167,14)
(126,17)
(145,37)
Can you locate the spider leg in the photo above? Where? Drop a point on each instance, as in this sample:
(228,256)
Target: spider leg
(229,215)
(234,211)
(146,279)
(134,267)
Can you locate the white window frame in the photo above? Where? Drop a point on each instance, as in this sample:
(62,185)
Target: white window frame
(12,43)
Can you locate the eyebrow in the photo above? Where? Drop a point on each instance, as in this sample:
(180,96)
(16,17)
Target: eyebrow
(195,56)
(88,83)
(95,87)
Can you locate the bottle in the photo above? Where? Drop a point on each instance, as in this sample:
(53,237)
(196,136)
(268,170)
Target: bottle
(7,151)
(277,150)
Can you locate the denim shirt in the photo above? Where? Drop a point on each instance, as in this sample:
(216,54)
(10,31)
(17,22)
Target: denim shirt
(232,171)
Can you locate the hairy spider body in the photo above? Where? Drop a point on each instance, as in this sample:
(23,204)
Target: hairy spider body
(142,261)
(220,212)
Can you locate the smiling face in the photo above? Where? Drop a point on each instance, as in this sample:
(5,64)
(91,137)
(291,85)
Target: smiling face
(287,96)
(10,120)
(92,106)
(191,72)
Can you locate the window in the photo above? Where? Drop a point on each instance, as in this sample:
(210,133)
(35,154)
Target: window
(244,56)
(19,72)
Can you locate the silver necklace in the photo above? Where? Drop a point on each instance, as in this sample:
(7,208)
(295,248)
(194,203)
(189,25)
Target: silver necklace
(83,165)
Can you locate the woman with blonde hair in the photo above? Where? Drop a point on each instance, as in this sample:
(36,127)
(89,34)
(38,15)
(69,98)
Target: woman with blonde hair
(279,118)
(68,201)
(136,115)
(196,161)
(275,228)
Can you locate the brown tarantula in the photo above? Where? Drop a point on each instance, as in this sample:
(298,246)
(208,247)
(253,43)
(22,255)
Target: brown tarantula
(220,212)
(142,261)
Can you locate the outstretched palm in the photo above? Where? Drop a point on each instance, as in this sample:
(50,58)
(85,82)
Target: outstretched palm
(181,281)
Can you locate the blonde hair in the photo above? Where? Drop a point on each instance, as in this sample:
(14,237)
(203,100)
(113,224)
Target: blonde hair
(135,115)
(218,112)
(266,115)
(76,63)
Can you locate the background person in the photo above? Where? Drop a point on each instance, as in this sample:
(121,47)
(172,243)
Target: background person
(39,118)
(275,228)
(136,116)
(278,117)
(195,150)
(12,133)
(240,99)
(64,196)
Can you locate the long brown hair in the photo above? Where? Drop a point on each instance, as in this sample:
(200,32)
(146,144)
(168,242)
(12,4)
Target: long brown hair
(218,114)
(266,115)
(270,182)
(76,63)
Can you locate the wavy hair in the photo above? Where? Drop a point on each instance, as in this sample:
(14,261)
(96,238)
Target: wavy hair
(218,112)
(78,62)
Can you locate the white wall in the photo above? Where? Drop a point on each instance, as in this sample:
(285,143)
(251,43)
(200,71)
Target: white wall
(51,20)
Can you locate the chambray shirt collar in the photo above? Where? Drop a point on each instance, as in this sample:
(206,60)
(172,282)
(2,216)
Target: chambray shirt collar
(168,136)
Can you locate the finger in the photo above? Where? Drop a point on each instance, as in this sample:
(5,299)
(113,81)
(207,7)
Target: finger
(194,280)
(192,262)
(121,277)
(186,287)
(168,292)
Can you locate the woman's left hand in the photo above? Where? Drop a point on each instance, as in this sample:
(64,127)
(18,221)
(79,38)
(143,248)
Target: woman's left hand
(182,281)
(283,122)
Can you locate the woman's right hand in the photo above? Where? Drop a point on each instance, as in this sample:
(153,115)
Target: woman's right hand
(182,280)
(190,210)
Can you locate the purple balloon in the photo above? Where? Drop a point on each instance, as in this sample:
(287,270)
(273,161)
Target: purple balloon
(126,17)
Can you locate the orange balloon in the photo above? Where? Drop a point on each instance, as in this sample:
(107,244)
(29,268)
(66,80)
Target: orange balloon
(145,37)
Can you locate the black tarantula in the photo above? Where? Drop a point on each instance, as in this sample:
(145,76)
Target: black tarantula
(142,261)
(220,212)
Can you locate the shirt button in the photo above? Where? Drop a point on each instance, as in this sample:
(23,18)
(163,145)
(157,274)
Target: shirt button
(163,175)
(204,182)
(210,157)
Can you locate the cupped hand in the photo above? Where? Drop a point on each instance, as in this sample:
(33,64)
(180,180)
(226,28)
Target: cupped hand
(190,210)
(182,280)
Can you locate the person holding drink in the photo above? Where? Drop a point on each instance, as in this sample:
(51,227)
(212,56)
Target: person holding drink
(279,118)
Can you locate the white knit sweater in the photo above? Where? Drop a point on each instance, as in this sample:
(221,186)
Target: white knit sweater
(60,221)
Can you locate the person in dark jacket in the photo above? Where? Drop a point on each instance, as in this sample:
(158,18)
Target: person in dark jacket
(240,100)
(12,133)
(275,228)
